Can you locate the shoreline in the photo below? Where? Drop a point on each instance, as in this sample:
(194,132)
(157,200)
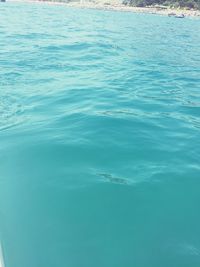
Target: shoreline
(118,7)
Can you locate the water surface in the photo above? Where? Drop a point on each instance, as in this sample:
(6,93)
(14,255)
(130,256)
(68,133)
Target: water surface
(99,138)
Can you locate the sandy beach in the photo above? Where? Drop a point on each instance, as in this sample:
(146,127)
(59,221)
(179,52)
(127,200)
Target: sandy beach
(115,5)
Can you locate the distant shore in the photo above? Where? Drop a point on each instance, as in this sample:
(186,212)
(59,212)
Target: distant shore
(119,7)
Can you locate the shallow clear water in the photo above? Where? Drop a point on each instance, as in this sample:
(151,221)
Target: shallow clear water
(99,138)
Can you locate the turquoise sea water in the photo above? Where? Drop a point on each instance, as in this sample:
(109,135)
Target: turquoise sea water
(99,138)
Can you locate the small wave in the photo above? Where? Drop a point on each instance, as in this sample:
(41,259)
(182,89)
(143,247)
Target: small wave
(29,36)
(82,46)
(189,249)
(71,47)
(10,112)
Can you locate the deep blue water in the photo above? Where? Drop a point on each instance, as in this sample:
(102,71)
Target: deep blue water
(99,138)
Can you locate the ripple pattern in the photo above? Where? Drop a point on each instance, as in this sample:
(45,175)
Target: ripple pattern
(99,138)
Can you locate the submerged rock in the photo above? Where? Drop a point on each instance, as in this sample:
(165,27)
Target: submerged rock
(113,179)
